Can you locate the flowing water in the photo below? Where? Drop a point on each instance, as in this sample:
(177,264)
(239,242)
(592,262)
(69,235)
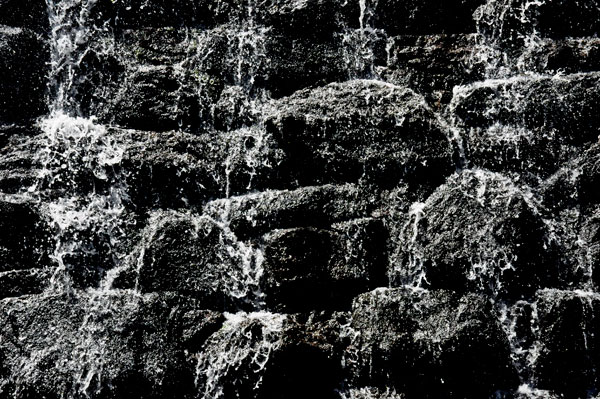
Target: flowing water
(84,193)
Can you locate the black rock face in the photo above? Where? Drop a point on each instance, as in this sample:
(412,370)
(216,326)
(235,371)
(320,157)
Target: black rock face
(479,232)
(30,14)
(334,265)
(429,343)
(361,129)
(568,331)
(337,199)
(23,57)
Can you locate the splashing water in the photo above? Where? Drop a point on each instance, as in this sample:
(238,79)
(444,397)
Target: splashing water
(508,38)
(70,34)
(86,192)
(244,345)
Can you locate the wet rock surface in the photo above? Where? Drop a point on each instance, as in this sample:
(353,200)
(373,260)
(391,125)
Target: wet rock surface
(457,340)
(568,343)
(361,129)
(30,14)
(371,199)
(23,58)
(478,232)
(333,265)
(26,244)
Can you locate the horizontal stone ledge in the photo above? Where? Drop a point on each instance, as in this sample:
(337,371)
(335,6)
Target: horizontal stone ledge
(308,268)
(429,343)
(568,334)
(252,215)
(313,17)
(361,130)
(16,283)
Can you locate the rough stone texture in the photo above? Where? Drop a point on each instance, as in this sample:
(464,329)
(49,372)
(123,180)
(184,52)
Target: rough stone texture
(318,206)
(24,14)
(284,346)
(333,265)
(297,156)
(431,64)
(360,129)
(479,231)
(424,17)
(15,283)
(176,170)
(574,55)
(192,255)
(429,343)
(23,57)
(287,15)
(528,124)
(128,346)
(568,336)
(26,240)
(569,18)
(371,393)
(17,166)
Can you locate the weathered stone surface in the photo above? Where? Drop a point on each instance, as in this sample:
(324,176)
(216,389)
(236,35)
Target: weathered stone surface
(314,18)
(429,344)
(422,17)
(334,265)
(281,348)
(17,169)
(173,78)
(193,255)
(161,13)
(290,156)
(289,16)
(318,206)
(23,57)
(299,62)
(371,393)
(167,96)
(568,333)
(528,124)
(431,64)
(555,103)
(573,55)
(360,129)
(569,18)
(479,231)
(153,99)
(175,169)
(25,241)
(575,184)
(24,14)
(125,345)
(14,283)
(154,79)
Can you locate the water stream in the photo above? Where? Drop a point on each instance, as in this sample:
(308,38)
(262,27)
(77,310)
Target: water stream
(99,259)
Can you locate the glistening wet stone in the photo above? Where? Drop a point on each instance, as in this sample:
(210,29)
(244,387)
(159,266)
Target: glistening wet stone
(263,199)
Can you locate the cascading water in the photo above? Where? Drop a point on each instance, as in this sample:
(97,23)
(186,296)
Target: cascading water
(230,186)
(511,50)
(240,351)
(80,160)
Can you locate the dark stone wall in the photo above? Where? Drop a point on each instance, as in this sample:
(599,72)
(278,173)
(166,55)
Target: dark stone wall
(288,199)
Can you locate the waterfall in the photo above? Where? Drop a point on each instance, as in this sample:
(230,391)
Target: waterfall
(343,199)
(241,350)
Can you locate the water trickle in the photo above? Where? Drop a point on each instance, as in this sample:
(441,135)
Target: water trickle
(109,268)
(80,184)
(508,38)
(240,350)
